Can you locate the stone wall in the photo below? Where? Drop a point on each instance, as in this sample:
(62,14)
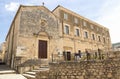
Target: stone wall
(99,69)
(36,21)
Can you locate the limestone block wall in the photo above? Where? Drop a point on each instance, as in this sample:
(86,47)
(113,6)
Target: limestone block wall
(32,30)
(31,22)
(105,69)
(36,23)
(84,43)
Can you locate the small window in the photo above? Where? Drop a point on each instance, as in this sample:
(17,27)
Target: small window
(85,34)
(99,39)
(65,16)
(76,20)
(84,23)
(93,36)
(91,26)
(108,40)
(66,29)
(104,39)
(97,29)
(77,32)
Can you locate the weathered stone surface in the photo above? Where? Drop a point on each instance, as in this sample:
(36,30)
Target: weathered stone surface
(106,69)
(31,23)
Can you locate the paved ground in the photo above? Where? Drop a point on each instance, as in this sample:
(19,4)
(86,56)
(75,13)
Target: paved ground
(7,73)
(12,76)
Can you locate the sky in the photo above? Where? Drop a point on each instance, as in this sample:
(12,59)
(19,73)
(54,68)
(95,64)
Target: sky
(104,12)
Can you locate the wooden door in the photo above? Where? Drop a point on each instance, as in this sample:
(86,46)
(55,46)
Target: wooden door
(68,56)
(42,49)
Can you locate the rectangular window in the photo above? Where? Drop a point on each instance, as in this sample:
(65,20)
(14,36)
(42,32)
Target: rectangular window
(97,29)
(104,39)
(65,16)
(91,26)
(76,20)
(84,23)
(66,29)
(85,34)
(77,33)
(93,37)
(99,39)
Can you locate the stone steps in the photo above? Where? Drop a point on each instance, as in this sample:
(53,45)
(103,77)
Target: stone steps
(32,74)
(41,69)
(29,76)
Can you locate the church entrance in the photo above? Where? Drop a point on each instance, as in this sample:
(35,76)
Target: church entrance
(42,49)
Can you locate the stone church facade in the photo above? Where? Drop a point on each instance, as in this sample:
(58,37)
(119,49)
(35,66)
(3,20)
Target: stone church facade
(38,33)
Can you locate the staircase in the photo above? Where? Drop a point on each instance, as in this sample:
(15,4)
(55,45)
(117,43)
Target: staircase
(32,74)
(43,67)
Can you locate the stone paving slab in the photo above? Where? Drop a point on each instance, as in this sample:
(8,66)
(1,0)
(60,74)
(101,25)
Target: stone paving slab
(12,76)
(7,73)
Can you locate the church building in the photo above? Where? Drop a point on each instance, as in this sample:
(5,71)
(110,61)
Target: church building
(38,33)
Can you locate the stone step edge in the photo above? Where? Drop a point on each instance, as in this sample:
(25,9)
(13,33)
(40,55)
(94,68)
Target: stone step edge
(37,70)
(28,75)
(7,72)
(31,73)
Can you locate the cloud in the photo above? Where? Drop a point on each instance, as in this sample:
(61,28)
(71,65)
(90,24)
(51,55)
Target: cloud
(109,16)
(12,6)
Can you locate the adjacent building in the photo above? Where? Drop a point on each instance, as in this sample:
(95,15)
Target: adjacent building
(38,33)
(2,52)
(116,47)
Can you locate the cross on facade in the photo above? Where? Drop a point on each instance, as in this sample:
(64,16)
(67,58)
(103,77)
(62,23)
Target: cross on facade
(43,3)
